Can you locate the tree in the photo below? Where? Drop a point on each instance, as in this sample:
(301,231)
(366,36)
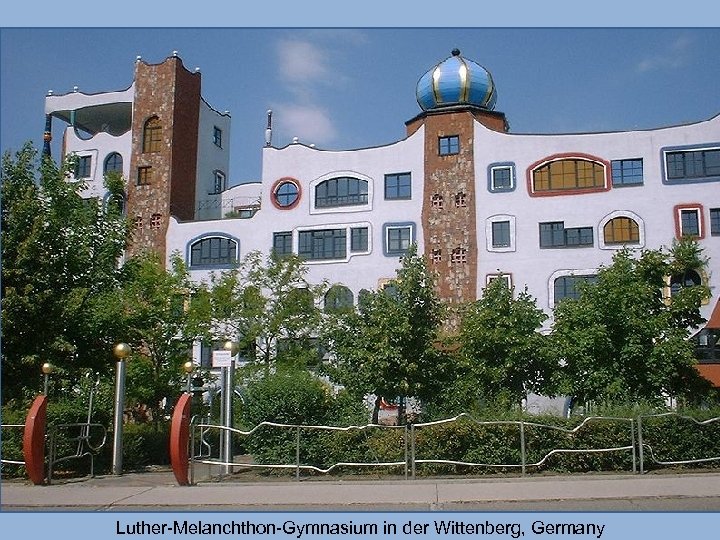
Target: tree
(503,353)
(388,346)
(268,305)
(624,339)
(153,304)
(59,256)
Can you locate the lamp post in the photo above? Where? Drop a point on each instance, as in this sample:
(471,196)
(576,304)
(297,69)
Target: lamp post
(229,381)
(189,367)
(47,369)
(121,351)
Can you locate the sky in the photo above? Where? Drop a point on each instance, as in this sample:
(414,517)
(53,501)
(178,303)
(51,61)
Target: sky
(347,88)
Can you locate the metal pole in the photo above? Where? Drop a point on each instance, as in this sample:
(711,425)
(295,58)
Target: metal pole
(523,457)
(412,449)
(228,417)
(640,445)
(297,453)
(405,440)
(118,423)
(632,438)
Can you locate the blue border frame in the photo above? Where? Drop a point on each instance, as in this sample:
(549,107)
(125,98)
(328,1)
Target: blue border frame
(513,172)
(386,226)
(687,148)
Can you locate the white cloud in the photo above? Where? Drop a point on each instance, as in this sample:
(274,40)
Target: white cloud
(674,56)
(310,123)
(301,62)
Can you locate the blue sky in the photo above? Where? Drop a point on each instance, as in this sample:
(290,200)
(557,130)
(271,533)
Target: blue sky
(354,87)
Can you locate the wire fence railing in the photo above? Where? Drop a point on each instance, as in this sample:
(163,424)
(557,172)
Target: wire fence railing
(506,445)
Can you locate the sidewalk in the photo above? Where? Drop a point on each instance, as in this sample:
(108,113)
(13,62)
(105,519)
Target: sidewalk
(158,491)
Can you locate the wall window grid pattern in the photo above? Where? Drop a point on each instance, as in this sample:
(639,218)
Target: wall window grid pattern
(627,172)
(217,137)
(341,191)
(715,221)
(568,174)
(359,239)
(322,244)
(500,233)
(152,135)
(397,238)
(449,145)
(554,234)
(218,182)
(113,163)
(621,230)
(689,221)
(83,167)
(501,177)
(213,250)
(283,243)
(689,164)
(567,286)
(398,186)
(144,176)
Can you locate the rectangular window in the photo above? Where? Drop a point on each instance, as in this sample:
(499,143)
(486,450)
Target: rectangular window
(555,235)
(217,137)
(282,243)
(715,221)
(502,178)
(323,244)
(692,164)
(144,176)
(358,239)
(398,186)
(449,145)
(567,286)
(627,172)
(501,234)
(398,239)
(690,222)
(218,183)
(82,170)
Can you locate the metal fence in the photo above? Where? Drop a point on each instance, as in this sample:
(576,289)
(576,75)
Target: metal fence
(76,441)
(205,436)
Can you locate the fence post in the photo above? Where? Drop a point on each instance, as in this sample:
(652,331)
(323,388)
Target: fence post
(640,445)
(192,453)
(405,440)
(523,457)
(412,449)
(297,453)
(632,438)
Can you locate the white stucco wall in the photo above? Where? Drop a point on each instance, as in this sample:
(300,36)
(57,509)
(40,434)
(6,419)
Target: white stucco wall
(210,158)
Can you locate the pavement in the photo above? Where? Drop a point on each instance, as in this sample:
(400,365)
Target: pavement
(157,491)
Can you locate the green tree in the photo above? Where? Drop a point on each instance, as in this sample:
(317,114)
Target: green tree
(153,304)
(502,351)
(624,340)
(59,257)
(389,346)
(268,305)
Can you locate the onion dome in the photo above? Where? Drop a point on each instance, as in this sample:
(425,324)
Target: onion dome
(456,81)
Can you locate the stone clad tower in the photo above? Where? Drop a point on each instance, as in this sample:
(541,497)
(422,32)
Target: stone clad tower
(454,95)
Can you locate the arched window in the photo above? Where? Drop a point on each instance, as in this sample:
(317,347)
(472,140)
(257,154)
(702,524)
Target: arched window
(338,299)
(621,230)
(113,163)
(569,174)
(213,251)
(152,135)
(341,191)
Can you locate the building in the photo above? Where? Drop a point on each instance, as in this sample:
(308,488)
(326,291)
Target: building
(482,203)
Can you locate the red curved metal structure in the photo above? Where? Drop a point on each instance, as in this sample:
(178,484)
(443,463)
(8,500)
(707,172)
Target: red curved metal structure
(179,437)
(34,440)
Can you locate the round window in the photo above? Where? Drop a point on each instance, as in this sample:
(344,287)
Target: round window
(286,193)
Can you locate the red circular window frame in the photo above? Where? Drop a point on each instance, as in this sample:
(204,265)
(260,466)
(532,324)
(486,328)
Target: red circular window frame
(277,185)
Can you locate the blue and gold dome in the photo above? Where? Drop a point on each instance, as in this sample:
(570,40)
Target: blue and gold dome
(456,81)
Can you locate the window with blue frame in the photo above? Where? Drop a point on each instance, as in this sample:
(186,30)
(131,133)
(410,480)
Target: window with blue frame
(449,145)
(398,186)
(501,178)
(627,172)
(397,239)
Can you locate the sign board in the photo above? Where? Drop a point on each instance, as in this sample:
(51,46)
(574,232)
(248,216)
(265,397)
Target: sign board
(221,359)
